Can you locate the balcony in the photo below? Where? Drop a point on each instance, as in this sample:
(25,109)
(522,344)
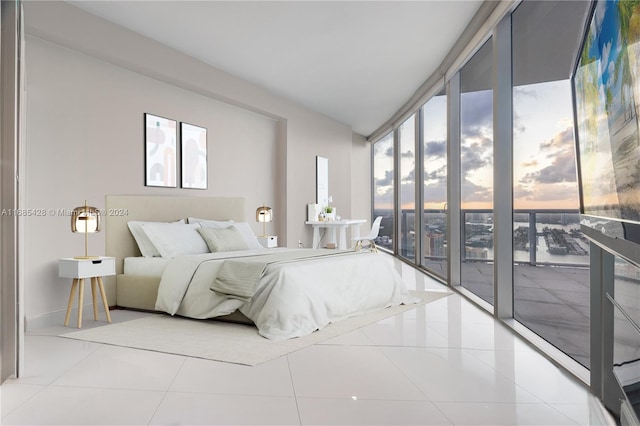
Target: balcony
(551,267)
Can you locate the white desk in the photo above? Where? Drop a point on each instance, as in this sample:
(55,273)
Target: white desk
(331,226)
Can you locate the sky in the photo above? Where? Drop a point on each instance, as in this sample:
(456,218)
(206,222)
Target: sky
(543,161)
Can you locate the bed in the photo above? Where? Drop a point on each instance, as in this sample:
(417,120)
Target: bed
(285,293)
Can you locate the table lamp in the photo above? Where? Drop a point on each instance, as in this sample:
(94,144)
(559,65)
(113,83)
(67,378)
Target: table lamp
(264,215)
(85,219)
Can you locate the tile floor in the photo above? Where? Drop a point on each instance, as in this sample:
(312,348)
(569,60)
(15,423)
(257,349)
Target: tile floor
(445,363)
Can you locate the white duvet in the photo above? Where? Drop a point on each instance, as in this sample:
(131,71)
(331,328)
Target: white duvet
(292,299)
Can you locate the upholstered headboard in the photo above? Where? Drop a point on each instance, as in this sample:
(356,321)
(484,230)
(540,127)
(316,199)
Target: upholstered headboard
(120,209)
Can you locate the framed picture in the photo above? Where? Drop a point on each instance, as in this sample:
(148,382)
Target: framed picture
(193,141)
(160,135)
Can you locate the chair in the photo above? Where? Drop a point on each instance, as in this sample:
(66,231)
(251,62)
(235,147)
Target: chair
(369,239)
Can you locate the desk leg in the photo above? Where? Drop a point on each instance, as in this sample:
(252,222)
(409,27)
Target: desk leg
(74,286)
(80,301)
(94,297)
(355,233)
(332,235)
(342,244)
(104,299)
(316,237)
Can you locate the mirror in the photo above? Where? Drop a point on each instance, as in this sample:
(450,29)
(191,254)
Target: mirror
(322,181)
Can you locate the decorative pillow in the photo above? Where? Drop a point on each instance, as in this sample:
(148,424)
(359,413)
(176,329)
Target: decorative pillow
(208,223)
(223,239)
(173,240)
(248,235)
(147,249)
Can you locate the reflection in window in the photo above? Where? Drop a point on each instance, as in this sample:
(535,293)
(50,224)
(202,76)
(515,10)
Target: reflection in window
(407,136)
(383,193)
(476,168)
(434,137)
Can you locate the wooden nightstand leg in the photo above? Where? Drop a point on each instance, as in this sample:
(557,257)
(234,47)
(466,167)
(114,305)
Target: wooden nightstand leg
(94,297)
(74,285)
(80,301)
(104,299)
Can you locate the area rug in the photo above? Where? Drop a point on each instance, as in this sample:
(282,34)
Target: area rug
(227,342)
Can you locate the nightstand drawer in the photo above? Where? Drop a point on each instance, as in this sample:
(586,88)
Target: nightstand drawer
(85,268)
(268,241)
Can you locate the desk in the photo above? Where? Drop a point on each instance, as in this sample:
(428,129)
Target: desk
(331,226)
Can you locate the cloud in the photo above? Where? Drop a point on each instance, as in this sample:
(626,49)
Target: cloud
(410,178)
(473,158)
(435,149)
(471,192)
(563,169)
(407,154)
(560,142)
(438,175)
(476,114)
(532,163)
(386,180)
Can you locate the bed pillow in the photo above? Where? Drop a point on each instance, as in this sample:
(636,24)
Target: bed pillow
(208,223)
(173,240)
(223,239)
(147,249)
(243,227)
(248,235)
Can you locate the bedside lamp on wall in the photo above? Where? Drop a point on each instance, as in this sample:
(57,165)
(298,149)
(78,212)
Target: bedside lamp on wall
(85,219)
(264,215)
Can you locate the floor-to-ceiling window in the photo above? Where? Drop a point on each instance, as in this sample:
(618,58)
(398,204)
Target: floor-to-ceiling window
(476,168)
(551,256)
(383,189)
(434,180)
(547,289)
(407,188)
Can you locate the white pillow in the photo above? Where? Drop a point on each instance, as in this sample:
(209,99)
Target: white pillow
(147,249)
(248,235)
(173,240)
(208,223)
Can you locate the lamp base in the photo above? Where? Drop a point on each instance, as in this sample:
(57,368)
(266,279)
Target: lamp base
(86,257)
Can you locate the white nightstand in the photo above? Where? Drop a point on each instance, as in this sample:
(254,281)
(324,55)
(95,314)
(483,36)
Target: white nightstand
(79,269)
(269,241)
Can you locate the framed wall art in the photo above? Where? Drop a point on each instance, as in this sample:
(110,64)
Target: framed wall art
(193,141)
(160,135)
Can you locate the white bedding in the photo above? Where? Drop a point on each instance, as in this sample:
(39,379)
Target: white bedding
(292,299)
(148,266)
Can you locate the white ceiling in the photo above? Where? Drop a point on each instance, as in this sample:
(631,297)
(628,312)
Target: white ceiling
(355,61)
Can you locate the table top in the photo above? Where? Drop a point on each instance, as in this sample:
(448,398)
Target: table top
(342,222)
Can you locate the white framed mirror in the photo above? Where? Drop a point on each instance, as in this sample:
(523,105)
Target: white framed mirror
(322,181)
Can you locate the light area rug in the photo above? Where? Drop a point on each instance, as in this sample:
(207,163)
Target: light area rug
(227,342)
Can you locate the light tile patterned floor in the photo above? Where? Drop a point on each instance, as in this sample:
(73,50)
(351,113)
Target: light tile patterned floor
(444,363)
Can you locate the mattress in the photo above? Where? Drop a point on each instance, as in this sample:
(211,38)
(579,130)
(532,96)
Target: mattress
(147,266)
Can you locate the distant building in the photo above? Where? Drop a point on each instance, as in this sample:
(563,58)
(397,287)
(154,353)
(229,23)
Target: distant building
(434,245)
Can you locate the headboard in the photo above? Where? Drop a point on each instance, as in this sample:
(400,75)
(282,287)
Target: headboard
(120,209)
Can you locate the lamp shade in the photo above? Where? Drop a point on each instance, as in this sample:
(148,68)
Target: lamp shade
(85,219)
(264,214)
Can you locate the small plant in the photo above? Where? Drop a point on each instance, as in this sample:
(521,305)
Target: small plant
(328,209)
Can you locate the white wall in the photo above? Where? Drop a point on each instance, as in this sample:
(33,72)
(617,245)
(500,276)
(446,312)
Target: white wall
(89,83)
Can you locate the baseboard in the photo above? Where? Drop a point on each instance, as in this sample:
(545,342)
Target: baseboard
(56,318)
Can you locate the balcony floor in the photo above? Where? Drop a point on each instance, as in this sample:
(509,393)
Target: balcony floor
(552,301)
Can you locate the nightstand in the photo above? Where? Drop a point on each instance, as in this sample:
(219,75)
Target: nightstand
(269,241)
(79,269)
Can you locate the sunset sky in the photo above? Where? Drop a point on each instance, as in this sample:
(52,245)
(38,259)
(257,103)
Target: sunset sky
(544,159)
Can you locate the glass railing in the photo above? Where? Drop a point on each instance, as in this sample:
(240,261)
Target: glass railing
(546,237)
